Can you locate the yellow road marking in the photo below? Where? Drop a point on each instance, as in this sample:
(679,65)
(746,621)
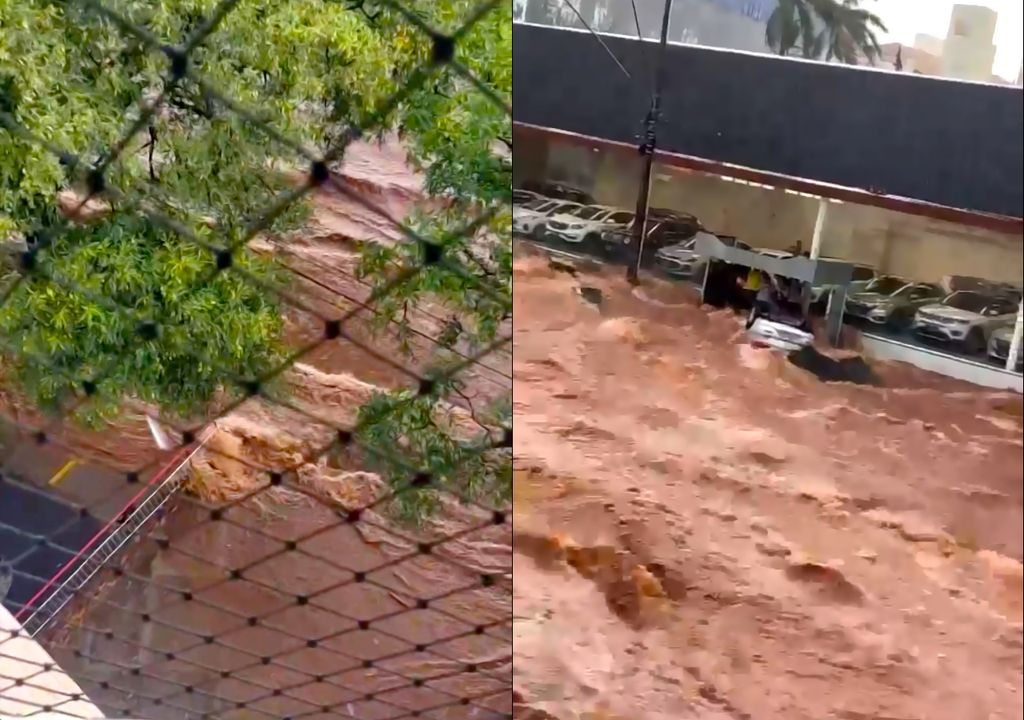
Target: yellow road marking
(63,472)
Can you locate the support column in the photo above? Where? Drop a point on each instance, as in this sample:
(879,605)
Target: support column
(1018,328)
(819,224)
(834,316)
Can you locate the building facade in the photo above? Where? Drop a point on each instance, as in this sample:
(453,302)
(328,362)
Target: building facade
(968,50)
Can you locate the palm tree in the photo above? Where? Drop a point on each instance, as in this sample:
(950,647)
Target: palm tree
(825,30)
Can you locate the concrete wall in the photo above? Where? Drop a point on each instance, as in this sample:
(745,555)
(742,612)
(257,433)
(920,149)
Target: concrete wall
(897,243)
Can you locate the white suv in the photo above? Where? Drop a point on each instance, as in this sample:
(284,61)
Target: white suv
(529,217)
(584,224)
(966,317)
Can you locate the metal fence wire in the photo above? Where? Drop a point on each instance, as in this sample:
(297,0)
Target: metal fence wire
(285,597)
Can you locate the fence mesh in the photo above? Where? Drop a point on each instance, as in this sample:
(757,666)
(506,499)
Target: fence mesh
(284,595)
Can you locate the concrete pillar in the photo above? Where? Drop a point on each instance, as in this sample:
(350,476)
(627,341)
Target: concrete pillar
(834,315)
(1018,327)
(819,224)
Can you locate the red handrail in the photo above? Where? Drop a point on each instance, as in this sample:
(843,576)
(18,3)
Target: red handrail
(103,531)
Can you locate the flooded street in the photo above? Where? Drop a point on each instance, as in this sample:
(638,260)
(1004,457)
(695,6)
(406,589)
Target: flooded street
(271,596)
(700,529)
(705,531)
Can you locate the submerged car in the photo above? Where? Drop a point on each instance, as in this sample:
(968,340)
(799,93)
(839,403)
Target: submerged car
(529,218)
(890,300)
(999,346)
(778,322)
(965,317)
(585,224)
(778,335)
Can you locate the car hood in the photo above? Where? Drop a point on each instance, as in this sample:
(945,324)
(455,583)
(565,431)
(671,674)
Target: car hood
(570,219)
(525,213)
(871,298)
(677,253)
(949,313)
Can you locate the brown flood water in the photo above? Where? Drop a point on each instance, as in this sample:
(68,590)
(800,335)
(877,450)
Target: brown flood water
(704,531)
(326,609)
(700,531)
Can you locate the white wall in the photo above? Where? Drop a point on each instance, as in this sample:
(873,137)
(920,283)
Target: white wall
(908,245)
(23,658)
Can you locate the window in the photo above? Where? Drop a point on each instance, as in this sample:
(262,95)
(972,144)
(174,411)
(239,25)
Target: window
(861,272)
(620,217)
(588,213)
(969,301)
(884,285)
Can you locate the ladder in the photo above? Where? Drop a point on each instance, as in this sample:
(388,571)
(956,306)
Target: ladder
(130,522)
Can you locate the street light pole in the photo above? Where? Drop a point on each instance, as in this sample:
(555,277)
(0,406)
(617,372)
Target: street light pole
(647,150)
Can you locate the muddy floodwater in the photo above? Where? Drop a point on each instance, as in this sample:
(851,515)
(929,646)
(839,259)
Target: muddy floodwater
(705,531)
(257,601)
(700,529)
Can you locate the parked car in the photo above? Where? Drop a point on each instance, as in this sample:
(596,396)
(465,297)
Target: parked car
(772,252)
(559,191)
(999,346)
(529,218)
(862,275)
(890,300)
(664,227)
(681,259)
(965,317)
(584,225)
(521,197)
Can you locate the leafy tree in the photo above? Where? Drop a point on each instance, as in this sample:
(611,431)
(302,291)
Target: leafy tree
(125,307)
(825,29)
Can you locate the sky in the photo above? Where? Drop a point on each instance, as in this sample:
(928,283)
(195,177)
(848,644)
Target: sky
(906,18)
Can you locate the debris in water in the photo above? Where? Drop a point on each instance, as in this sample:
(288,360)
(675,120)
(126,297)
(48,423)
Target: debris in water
(592,295)
(853,369)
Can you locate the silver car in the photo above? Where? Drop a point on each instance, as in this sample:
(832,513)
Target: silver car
(583,224)
(999,346)
(890,300)
(681,259)
(530,217)
(965,318)
(862,275)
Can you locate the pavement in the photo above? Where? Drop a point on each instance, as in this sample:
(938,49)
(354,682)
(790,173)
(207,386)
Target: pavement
(30,509)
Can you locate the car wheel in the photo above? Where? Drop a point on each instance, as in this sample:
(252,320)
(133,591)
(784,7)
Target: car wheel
(974,343)
(900,321)
(591,243)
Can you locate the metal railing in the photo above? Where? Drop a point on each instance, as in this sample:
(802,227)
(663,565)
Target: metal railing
(124,526)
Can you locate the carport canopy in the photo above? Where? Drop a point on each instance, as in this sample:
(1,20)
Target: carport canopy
(812,271)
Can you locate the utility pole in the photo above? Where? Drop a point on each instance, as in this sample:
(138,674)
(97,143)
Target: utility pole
(647,150)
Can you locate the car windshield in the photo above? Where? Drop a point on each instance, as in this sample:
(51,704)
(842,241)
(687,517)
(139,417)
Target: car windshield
(536,203)
(885,285)
(970,301)
(587,213)
(620,217)
(862,273)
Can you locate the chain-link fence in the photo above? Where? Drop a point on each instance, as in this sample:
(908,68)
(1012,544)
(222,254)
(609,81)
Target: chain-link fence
(258,562)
